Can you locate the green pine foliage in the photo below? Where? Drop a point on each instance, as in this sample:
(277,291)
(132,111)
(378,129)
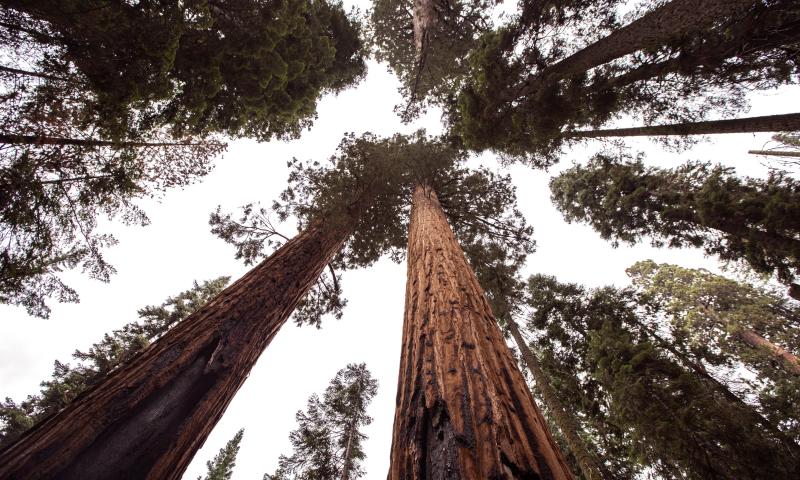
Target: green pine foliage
(694,205)
(101,358)
(436,75)
(328,440)
(706,315)
(479,204)
(636,400)
(513,106)
(242,67)
(221,467)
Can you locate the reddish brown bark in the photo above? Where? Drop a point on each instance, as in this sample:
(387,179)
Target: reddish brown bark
(147,419)
(774,153)
(786,357)
(463,408)
(767,123)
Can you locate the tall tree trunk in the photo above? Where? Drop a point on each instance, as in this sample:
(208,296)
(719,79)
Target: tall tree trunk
(27,73)
(590,465)
(351,432)
(463,408)
(149,417)
(672,20)
(773,153)
(753,339)
(10,138)
(794,291)
(767,123)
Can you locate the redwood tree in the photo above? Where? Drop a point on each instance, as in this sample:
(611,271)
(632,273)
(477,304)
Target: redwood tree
(463,408)
(148,417)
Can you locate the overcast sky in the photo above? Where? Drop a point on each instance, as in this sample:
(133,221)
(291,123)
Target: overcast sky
(164,259)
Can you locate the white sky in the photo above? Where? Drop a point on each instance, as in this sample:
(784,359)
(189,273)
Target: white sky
(164,258)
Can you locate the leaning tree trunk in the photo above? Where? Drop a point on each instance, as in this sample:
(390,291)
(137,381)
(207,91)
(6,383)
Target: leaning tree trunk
(590,465)
(753,339)
(774,153)
(463,408)
(10,138)
(148,418)
(672,20)
(767,123)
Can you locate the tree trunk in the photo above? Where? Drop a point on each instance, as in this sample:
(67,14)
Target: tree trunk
(672,20)
(774,153)
(590,465)
(17,71)
(351,431)
(464,410)
(148,418)
(768,123)
(789,360)
(9,138)
(753,339)
(794,291)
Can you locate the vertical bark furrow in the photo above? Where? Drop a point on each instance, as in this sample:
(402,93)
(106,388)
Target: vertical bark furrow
(463,408)
(148,418)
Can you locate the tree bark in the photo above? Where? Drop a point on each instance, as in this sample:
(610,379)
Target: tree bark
(590,465)
(774,153)
(464,410)
(767,123)
(148,418)
(794,291)
(672,20)
(10,138)
(753,339)
(27,73)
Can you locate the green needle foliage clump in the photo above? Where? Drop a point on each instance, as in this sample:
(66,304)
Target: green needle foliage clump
(103,357)
(328,440)
(221,467)
(480,206)
(694,205)
(241,67)
(637,397)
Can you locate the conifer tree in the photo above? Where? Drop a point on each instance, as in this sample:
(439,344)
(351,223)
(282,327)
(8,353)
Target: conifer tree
(674,64)
(242,67)
(696,204)
(426,43)
(221,467)
(103,357)
(723,323)
(635,399)
(328,440)
(153,414)
(427,176)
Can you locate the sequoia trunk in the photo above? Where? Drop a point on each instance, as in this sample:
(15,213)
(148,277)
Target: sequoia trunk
(148,418)
(464,410)
(767,123)
(591,466)
(9,138)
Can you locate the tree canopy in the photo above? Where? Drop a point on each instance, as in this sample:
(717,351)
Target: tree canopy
(695,204)
(479,204)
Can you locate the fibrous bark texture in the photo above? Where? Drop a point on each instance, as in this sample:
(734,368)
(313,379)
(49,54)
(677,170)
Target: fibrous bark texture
(591,466)
(148,418)
(463,408)
(767,123)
